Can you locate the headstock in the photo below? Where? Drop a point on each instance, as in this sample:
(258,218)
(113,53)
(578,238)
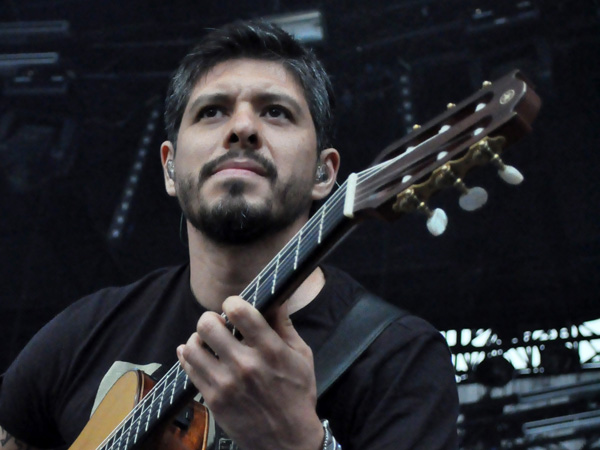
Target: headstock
(438,154)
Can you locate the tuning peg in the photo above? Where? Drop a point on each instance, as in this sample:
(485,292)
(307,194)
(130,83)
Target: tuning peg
(509,174)
(471,198)
(437,220)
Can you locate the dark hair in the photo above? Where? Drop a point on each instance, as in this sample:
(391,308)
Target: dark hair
(259,40)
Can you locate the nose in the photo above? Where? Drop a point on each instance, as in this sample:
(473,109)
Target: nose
(244,131)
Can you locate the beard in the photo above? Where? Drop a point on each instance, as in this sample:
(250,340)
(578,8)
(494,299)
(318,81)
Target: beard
(232,220)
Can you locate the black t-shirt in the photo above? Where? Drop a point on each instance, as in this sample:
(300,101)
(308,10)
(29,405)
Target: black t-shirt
(399,394)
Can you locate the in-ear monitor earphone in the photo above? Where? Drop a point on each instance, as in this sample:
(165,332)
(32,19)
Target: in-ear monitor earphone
(171,169)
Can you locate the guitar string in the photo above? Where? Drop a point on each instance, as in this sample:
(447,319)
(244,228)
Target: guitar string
(390,177)
(137,408)
(164,383)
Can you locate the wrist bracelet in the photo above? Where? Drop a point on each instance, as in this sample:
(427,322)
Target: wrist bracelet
(329,442)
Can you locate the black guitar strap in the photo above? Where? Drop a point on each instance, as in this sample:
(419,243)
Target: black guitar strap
(367,318)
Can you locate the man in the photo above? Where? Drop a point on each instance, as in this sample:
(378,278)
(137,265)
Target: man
(246,113)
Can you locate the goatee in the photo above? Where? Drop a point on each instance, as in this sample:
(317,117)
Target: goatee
(233,220)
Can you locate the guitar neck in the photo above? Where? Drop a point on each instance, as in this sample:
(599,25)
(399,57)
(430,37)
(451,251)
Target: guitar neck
(288,269)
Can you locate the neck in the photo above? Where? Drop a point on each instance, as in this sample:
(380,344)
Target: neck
(219,271)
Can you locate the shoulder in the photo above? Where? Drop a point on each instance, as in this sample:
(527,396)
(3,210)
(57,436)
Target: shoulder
(406,325)
(97,318)
(153,283)
(82,321)
(117,300)
(401,388)
(74,345)
(404,343)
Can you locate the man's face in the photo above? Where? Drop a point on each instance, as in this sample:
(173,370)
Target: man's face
(246,152)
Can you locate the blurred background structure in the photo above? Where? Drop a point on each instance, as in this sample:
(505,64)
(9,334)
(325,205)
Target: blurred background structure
(515,286)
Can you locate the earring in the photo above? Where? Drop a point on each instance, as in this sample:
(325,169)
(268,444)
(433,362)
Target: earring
(171,169)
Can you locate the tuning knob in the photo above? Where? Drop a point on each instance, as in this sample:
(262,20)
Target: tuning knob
(437,220)
(471,199)
(509,174)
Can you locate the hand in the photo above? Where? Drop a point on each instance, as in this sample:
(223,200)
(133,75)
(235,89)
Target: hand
(262,390)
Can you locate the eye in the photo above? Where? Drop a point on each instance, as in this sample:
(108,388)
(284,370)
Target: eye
(210,112)
(277,112)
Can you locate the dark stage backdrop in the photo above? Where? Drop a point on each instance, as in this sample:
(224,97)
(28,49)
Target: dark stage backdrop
(75,132)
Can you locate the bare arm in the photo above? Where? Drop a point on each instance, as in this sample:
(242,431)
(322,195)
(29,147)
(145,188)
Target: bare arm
(9,442)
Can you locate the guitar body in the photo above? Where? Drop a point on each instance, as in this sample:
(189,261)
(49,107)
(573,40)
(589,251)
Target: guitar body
(123,396)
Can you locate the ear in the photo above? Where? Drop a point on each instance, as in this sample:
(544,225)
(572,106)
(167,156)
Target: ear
(167,152)
(330,161)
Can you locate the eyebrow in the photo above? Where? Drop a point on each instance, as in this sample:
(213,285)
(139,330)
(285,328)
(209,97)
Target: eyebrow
(263,97)
(207,99)
(271,97)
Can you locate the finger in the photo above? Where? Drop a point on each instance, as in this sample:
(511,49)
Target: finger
(248,321)
(200,365)
(279,319)
(214,333)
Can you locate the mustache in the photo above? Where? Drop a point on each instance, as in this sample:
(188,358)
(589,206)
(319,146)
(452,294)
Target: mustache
(209,168)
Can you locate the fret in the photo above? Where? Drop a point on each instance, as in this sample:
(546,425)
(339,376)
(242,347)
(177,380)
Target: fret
(110,442)
(256,289)
(275,274)
(136,421)
(128,434)
(161,398)
(174,385)
(323,210)
(116,440)
(150,413)
(137,430)
(120,440)
(298,248)
(186,378)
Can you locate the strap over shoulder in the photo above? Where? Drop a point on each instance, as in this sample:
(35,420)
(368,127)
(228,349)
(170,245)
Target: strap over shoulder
(365,321)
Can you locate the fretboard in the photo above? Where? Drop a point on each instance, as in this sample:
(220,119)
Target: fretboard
(274,280)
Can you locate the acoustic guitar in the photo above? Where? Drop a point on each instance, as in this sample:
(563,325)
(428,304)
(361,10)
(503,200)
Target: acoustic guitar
(139,413)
